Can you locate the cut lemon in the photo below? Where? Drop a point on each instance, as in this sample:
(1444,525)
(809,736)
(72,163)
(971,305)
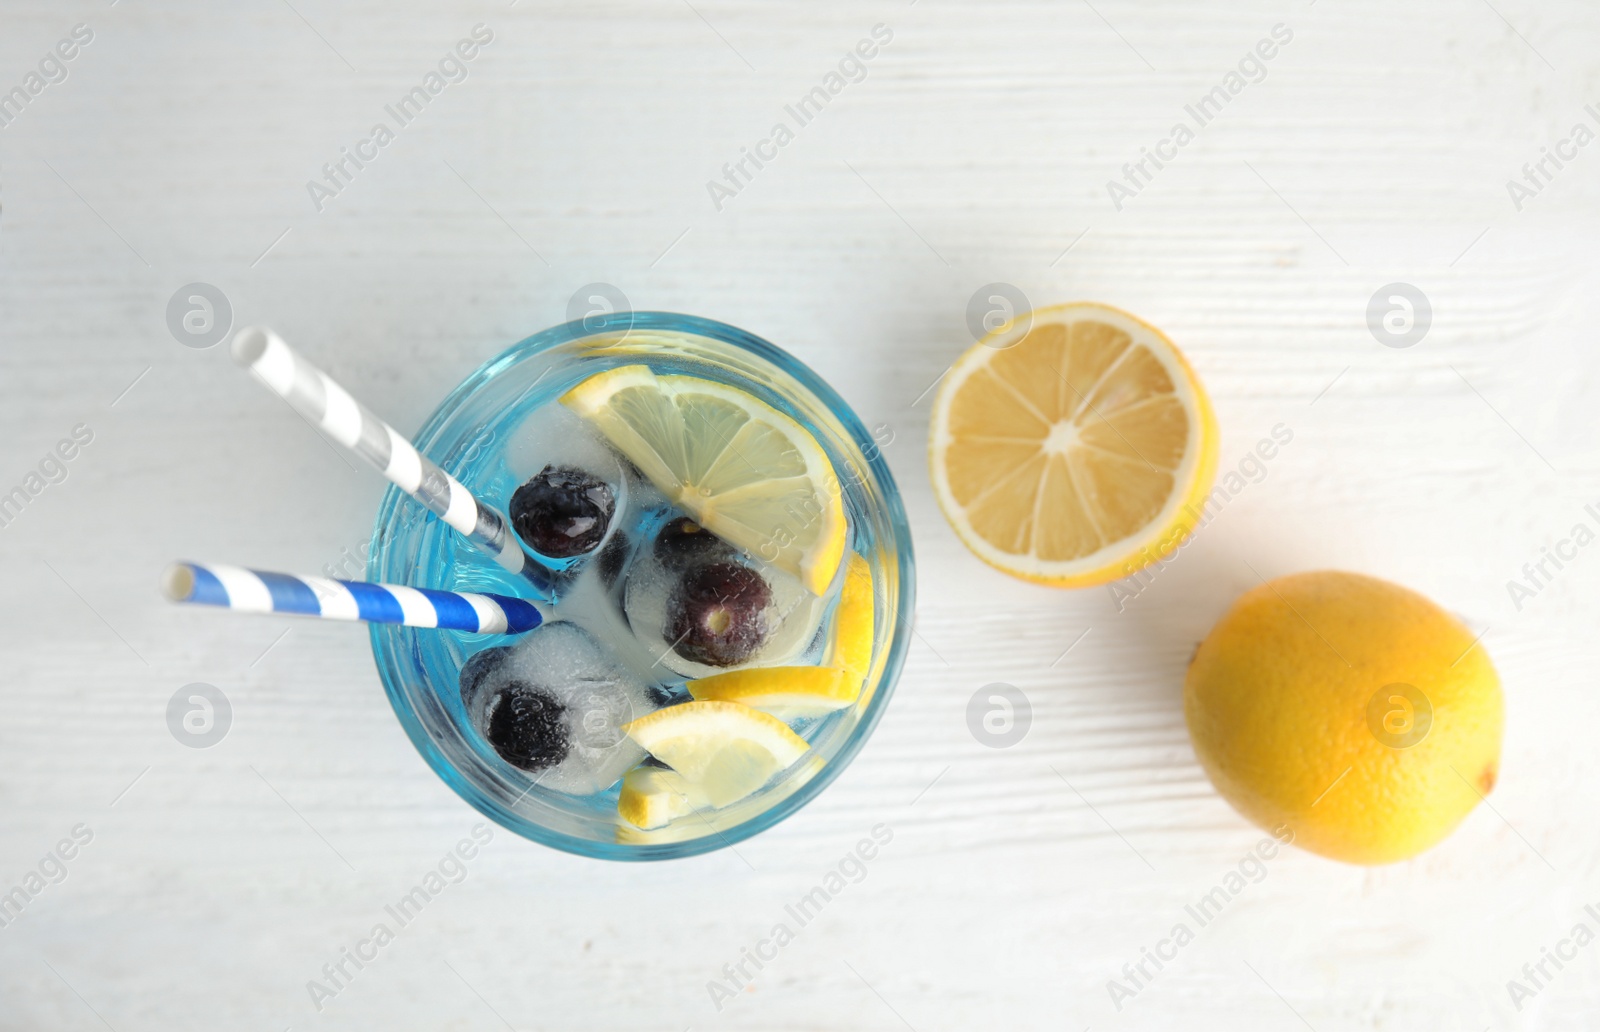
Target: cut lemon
(788,692)
(1073,446)
(743,470)
(653,798)
(726,750)
(852,635)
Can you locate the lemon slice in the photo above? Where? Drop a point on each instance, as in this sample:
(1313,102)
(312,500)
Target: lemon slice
(653,798)
(706,821)
(787,692)
(1072,446)
(852,635)
(727,751)
(743,470)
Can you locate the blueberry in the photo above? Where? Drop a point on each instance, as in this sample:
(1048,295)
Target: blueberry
(527,726)
(562,512)
(717,614)
(662,695)
(683,543)
(478,666)
(609,563)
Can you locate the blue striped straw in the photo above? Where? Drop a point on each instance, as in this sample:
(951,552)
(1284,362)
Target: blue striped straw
(329,407)
(255,591)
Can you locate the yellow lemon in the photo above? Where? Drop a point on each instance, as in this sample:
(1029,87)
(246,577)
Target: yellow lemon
(1356,712)
(1072,446)
(652,798)
(787,692)
(725,750)
(852,635)
(745,471)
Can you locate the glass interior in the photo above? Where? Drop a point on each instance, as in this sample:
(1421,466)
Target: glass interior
(469,436)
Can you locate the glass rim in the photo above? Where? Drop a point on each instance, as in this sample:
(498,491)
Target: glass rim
(894,517)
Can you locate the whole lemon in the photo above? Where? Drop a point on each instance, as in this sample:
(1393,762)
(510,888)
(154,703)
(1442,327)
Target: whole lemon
(1354,711)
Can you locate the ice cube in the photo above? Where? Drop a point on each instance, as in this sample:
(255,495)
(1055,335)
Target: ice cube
(577,498)
(553,435)
(572,487)
(701,606)
(554,705)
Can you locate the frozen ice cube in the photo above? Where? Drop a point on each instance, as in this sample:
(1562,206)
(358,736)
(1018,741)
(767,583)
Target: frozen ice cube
(573,489)
(554,435)
(577,499)
(701,606)
(554,705)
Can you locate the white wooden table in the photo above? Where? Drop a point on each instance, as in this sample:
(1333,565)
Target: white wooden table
(977,148)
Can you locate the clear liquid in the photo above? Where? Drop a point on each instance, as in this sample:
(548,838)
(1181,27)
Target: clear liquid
(474,436)
(618,591)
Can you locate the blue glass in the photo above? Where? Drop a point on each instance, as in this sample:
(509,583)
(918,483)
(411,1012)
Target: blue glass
(467,436)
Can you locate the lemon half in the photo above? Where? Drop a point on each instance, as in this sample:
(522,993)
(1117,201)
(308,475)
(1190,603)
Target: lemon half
(1072,446)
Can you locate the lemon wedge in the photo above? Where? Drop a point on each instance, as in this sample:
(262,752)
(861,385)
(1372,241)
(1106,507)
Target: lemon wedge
(788,692)
(727,751)
(653,798)
(852,634)
(743,470)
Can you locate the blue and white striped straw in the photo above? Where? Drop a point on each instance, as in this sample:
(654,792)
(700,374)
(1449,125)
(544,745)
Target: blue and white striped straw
(329,407)
(254,591)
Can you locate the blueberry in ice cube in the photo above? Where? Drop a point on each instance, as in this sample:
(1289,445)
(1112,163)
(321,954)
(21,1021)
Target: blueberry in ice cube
(665,695)
(527,726)
(554,705)
(717,614)
(611,559)
(562,512)
(683,543)
(478,666)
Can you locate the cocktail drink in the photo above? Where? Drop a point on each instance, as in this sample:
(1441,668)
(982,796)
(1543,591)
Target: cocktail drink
(724,568)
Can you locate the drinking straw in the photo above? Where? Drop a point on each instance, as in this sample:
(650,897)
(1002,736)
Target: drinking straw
(315,395)
(255,591)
